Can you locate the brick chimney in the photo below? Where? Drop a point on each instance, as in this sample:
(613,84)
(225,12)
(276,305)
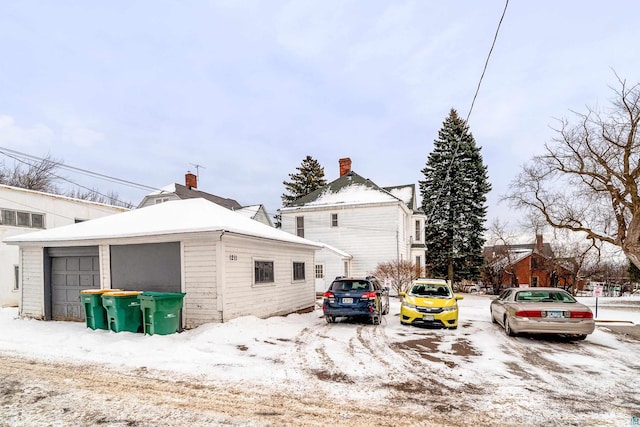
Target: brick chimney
(539,245)
(191,181)
(345,166)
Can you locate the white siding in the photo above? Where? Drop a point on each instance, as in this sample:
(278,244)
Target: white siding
(370,233)
(200,280)
(242,297)
(32,280)
(57,211)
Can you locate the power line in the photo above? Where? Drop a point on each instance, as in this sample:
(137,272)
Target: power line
(128,183)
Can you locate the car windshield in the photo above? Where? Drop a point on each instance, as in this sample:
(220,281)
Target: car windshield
(351,286)
(544,296)
(430,291)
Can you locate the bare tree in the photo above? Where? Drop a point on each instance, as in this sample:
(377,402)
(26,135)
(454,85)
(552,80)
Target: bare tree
(401,273)
(587,180)
(499,263)
(38,176)
(94,195)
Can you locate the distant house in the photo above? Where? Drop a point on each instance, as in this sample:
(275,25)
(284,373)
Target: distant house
(227,264)
(524,265)
(190,191)
(360,225)
(25,211)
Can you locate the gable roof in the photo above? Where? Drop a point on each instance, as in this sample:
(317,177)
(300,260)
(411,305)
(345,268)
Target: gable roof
(406,193)
(350,188)
(184,193)
(178,216)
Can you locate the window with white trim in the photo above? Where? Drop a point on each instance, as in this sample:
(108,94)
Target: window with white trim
(418,231)
(300,226)
(16,282)
(263,272)
(319,271)
(22,219)
(334,219)
(298,271)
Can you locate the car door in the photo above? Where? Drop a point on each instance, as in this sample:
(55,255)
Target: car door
(498,305)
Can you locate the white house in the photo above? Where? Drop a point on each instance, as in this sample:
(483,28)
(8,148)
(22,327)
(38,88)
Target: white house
(23,211)
(227,264)
(360,224)
(190,191)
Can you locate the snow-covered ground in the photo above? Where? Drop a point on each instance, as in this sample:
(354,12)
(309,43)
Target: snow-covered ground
(528,380)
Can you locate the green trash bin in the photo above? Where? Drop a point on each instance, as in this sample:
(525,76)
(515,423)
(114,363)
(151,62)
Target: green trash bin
(160,312)
(94,312)
(123,311)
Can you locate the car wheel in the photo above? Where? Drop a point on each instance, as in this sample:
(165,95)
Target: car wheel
(581,337)
(507,327)
(330,319)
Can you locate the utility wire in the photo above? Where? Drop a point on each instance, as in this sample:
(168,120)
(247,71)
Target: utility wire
(459,138)
(5,150)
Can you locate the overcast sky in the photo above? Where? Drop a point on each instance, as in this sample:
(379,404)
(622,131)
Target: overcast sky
(143,90)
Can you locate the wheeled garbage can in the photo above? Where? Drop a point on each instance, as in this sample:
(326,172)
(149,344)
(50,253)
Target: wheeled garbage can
(94,312)
(160,312)
(123,311)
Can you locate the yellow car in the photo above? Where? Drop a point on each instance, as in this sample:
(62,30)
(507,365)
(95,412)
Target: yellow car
(430,302)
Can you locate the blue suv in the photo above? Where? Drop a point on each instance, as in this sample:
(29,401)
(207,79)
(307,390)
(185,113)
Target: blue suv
(356,297)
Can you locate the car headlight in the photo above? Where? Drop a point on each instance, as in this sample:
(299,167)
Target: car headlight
(409,306)
(454,308)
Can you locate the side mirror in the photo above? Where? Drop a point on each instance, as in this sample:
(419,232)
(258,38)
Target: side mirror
(459,297)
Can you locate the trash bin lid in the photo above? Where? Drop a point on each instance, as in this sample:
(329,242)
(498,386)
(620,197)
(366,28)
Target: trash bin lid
(98,291)
(161,295)
(121,293)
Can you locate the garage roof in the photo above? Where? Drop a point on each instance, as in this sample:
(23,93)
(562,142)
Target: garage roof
(180,216)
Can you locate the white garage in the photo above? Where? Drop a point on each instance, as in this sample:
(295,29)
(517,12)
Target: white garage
(228,265)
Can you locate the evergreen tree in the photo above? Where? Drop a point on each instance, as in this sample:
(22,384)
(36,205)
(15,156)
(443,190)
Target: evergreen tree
(310,177)
(454,199)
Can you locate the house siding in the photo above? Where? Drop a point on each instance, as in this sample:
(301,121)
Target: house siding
(32,280)
(199,261)
(370,233)
(242,297)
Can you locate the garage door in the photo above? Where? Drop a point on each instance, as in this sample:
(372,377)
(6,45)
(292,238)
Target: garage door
(146,267)
(72,270)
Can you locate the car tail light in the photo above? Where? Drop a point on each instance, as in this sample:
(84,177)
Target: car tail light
(581,315)
(329,295)
(368,295)
(529,313)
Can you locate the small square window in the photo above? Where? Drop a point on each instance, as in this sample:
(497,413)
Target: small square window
(263,271)
(24,219)
(37,221)
(8,217)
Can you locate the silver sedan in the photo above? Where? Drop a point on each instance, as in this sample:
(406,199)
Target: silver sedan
(541,311)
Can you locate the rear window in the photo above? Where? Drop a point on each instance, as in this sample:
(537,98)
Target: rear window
(544,296)
(351,286)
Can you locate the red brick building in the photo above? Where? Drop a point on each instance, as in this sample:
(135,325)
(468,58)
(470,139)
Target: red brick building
(526,265)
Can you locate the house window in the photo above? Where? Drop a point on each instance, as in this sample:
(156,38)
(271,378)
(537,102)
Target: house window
(300,226)
(8,217)
(161,200)
(298,271)
(534,282)
(16,282)
(263,271)
(24,219)
(319,271)
(37,220)
(418,232)
(418,263)
(334,219)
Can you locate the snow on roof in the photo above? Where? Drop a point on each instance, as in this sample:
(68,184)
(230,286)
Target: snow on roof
(403,193)
(337,251)
(171,188)
(353,194)
(179,216)
(248,211)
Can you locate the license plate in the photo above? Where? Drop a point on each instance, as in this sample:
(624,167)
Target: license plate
(347,300)
(555,314)
(427,317)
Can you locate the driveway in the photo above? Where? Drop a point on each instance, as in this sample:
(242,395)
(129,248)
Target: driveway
(347,374)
